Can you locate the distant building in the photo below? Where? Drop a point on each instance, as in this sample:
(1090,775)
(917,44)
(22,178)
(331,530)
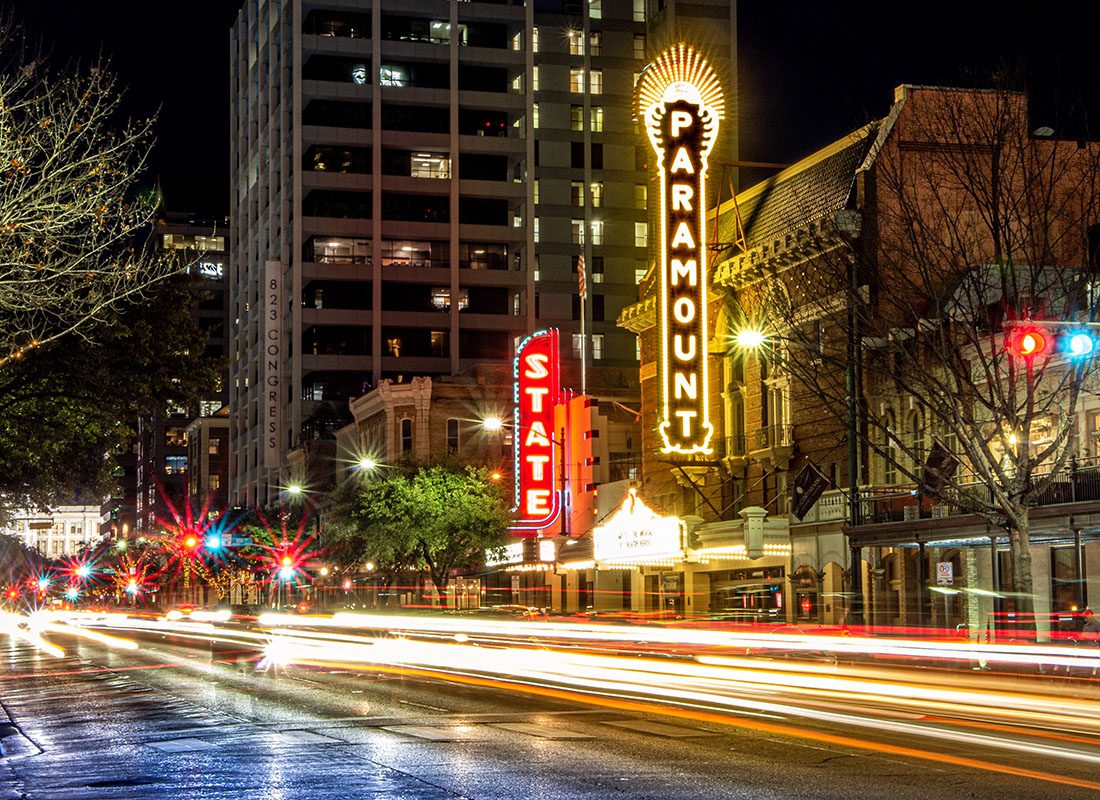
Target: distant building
(413,189)
(61,531)
(153,472)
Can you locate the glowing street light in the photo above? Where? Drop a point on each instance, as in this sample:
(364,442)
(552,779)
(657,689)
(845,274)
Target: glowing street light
(750,339)
(43,584)
(72,593)
(295,489)
(83,571)
(492,424)
(366,464)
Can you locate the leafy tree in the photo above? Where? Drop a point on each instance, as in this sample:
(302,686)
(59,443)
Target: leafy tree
(64,408)
(418,517)
(70,219)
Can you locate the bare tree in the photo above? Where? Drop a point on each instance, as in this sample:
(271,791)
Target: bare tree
(973,233)
(71,225)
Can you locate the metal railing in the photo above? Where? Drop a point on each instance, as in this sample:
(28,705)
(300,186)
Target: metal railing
(1079,482)
(736,445)
(774,436)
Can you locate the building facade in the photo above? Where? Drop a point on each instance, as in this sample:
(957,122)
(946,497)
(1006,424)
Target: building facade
(62,531)
(413,191)
(896,557)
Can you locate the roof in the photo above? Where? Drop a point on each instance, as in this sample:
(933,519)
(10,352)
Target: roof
(804,192)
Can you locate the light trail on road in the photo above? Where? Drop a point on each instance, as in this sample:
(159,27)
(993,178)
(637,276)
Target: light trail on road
(766,682)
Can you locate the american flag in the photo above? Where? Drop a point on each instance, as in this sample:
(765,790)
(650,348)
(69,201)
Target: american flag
(582,283)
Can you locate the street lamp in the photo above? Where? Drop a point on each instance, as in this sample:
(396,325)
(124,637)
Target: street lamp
(750,339)
(366,464)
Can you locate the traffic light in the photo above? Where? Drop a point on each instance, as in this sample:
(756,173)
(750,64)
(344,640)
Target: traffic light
(1029,342)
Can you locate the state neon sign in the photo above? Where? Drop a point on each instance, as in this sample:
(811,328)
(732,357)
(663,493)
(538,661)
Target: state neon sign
(680,100)
(537,392)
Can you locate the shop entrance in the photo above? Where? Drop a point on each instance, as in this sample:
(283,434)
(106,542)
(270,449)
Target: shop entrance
(748,595)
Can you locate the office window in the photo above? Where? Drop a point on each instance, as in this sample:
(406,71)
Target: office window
(440,341)
(535,114)
(595,9)
(406,435)
(215,482)
(594,42)
(597,231)
(393,347)
(517,84)
(517,304)
(597,346)
(598,306)
(597,269)
(534,79)
(393,76)
(214,447)
(597,193)
(535,231)
(576,80)
(576,193)
(641,234)
(576,227)
(534,39)
(452,435)
(535,190)
(430,165)
(640,269)
(639,10)
(637,348)
(578,345)
(597,155)
(639,47)
(576,43)
(576,155)
(595,81)
(641,193)
(597,119)
(576,118)
(517,41)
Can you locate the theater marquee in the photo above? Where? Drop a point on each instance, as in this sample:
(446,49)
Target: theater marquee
(537,392)
(680,100)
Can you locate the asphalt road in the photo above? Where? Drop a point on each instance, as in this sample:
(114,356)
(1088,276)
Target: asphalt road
(165,722)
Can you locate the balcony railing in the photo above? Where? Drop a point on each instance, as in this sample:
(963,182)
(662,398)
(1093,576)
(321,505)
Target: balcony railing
(736,445)
(1077,483)
(774,436)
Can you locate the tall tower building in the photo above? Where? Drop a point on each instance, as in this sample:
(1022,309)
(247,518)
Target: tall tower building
(413,185)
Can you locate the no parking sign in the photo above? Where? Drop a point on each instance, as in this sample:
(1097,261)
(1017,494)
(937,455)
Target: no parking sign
(945,573)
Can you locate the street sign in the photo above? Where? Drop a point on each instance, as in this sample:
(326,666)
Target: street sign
(237,541)
(945,573)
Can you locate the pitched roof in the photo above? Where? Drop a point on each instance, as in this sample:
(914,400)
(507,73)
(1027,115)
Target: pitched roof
(802,193)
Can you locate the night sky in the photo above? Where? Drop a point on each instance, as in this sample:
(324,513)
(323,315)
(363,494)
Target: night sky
(810,71)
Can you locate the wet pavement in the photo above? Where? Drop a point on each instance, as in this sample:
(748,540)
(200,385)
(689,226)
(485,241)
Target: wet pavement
(165,722)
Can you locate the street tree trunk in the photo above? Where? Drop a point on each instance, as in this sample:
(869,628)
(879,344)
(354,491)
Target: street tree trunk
(1023,587)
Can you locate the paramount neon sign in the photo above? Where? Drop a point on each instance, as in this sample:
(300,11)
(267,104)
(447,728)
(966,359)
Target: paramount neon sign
(537,392)
(680,99)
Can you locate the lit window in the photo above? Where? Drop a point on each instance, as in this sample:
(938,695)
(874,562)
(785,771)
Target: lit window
(430,165)
(215,482)
(393,347)
(439,341)
(597,119)
(639,10)
(517,304)
(535,190)
(576,43)
(359,74)
(639,47)
(534,79)
(597,193)
(535,114)
(576,193)
(595,81)
(595,9)
(597,346)
(441,299)
(576,226)
(641,192)
(594,40)
(578,345)
(517,41)
(517,84)
(637,348)
(534,39)
(639,275)
(576,118)
(576,80)
(535,231)
(641,234)
(393,76)
(597,231)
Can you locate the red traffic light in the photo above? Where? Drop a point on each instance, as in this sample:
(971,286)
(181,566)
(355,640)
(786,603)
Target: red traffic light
(1028,343)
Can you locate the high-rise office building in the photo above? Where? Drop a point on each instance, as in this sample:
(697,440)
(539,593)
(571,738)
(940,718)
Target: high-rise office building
(413,186)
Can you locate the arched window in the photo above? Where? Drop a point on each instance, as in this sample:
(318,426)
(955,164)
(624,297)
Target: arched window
(915,440)
(890,449)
